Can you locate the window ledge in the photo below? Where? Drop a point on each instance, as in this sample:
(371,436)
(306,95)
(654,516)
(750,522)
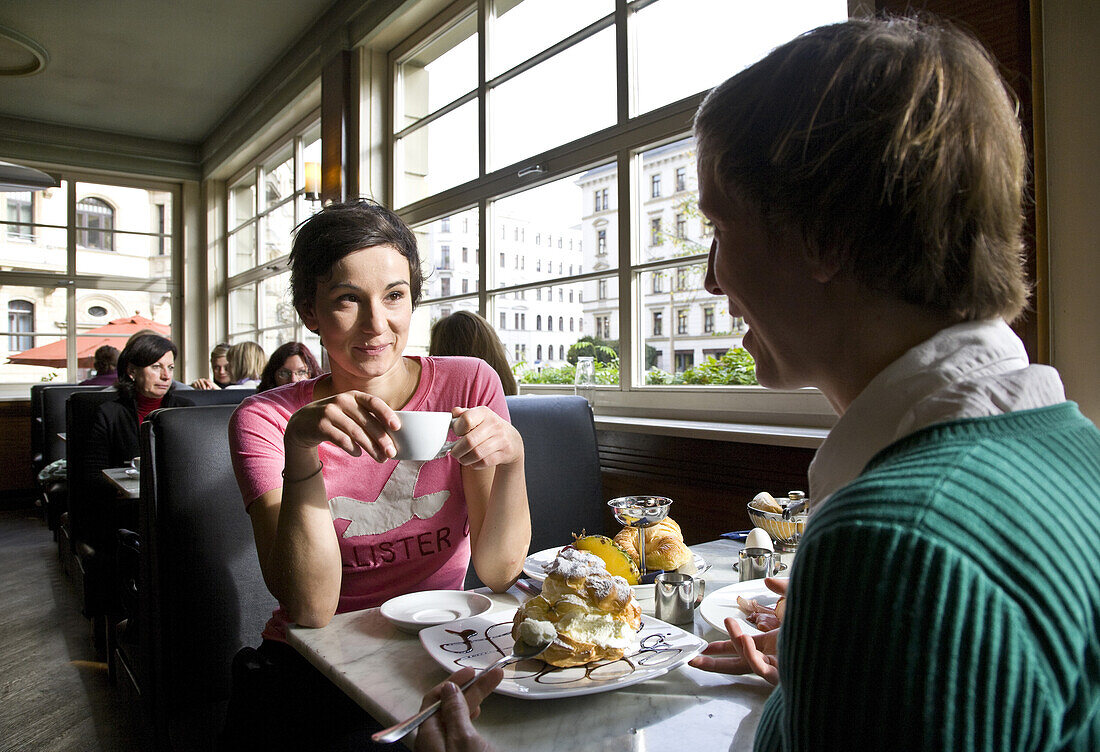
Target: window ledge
(749,433)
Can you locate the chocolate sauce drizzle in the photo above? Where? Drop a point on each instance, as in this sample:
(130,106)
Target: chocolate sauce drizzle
(477,649)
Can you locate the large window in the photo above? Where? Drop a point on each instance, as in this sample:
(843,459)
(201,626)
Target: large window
(66,275)
(574,179)
(266,201)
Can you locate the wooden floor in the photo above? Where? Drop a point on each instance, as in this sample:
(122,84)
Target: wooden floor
(54,692)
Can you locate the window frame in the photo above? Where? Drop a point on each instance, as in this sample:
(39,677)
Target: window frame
(85,282)
(263,269)
(622,146)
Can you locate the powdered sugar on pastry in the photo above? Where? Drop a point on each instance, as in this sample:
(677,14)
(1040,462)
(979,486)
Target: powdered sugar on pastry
(595,614)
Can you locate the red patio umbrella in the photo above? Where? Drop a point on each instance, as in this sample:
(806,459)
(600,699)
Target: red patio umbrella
(111,333)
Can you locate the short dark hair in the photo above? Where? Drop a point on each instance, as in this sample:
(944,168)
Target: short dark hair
(141,351)
(892,145)
(340,229)
(282,354)
(105,358)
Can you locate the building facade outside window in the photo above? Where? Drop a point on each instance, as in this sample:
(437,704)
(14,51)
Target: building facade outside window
(708,319)
(655,185)
(681,179)
(658,322)
(682,321)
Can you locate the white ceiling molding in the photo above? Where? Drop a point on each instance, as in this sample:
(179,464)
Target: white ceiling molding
(20,55)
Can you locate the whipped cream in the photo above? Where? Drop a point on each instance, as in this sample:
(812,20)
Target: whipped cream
(597,628)
(537,631)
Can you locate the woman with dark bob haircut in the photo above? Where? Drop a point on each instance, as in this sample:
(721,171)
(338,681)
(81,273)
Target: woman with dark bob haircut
(340,524)
(291,362)
(145,369)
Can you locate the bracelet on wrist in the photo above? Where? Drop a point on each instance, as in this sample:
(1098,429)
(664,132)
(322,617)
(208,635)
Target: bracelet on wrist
(320,467)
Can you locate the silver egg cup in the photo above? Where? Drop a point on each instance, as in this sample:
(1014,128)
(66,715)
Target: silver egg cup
(640,512)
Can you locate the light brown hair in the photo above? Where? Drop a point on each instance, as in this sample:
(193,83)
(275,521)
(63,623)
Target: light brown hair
(466,333)
(246,361)
(892,145)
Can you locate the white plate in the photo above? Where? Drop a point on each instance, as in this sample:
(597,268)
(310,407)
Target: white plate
(722,603)
(415,611)
(481,640)
(534,566)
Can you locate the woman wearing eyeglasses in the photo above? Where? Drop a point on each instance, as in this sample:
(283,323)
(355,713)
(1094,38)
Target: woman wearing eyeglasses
(289,363)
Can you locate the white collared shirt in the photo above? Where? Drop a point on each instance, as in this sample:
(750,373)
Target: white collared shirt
(970,370)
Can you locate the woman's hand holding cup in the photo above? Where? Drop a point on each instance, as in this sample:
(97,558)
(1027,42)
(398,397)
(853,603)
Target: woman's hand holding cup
(355,421)
(484,438)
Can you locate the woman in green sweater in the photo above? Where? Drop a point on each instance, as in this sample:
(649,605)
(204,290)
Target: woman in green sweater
(866,182)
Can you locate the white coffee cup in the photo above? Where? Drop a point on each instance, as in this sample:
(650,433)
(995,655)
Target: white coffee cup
(422,434)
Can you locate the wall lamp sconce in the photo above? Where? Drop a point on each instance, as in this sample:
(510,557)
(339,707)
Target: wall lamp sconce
(15,177)
(312,172)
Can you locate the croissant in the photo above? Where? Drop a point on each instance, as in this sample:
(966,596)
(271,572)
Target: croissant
(664,545)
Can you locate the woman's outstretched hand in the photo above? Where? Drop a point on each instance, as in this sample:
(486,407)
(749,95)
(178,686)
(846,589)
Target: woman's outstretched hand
(742,654)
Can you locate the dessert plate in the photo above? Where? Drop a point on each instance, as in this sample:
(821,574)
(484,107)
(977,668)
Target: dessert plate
(480,640)
(534,566)
(415,611)
(722,603)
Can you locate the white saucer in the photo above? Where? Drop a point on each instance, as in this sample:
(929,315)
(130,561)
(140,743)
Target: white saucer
(414,611)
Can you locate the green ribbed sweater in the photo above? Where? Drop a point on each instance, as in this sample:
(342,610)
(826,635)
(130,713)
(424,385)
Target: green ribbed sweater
(949,597)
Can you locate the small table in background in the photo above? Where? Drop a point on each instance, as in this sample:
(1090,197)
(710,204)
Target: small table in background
(126,480)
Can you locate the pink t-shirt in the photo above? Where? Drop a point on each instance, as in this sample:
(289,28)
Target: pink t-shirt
(403,526)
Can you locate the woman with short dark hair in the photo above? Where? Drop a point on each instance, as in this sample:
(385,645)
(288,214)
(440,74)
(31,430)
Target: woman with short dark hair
(332,511)
(145,369)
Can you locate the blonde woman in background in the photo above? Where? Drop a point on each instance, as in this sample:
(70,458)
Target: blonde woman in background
(246,363)
(466,333)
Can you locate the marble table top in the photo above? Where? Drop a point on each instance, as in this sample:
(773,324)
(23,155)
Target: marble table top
(125,480)
(387,672)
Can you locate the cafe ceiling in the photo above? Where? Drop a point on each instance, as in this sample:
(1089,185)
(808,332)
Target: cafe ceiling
(163,69)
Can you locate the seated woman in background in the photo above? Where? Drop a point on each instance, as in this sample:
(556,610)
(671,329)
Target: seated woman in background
(105,364)
(145,369)
(219,370)
(339,524)
(246,363)
(289,363)
(466,333)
